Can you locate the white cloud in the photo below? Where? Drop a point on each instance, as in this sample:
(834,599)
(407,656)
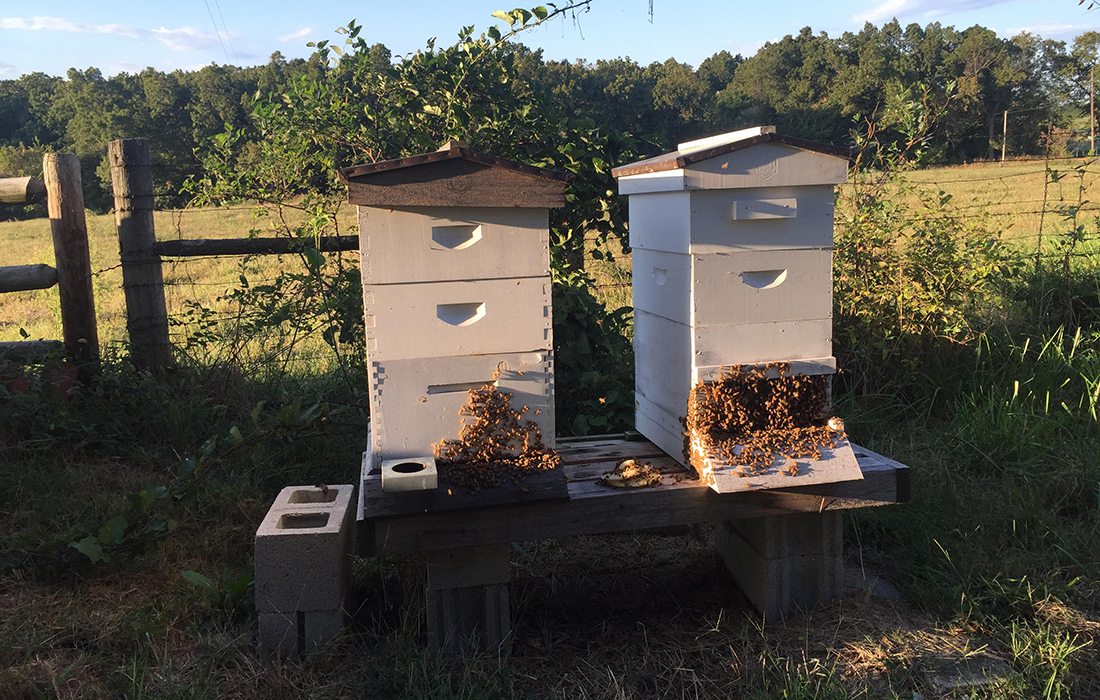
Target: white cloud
(882,11)
(924,9)
(1053,30)
(296,34)
(177,38)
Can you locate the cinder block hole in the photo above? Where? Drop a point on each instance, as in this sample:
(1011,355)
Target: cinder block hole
(313,496)
(302,521)
(409,467)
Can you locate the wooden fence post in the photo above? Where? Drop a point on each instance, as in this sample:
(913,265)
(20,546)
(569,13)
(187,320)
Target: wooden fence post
(65,203)
(142,278)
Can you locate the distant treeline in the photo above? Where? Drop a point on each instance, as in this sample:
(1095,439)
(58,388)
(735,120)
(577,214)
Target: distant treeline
(809,85)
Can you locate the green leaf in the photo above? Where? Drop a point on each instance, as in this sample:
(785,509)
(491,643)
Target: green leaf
(315,259)
(112,531)
(432,109)
(186,467)
(235,437)
(540,12)
(504,16)
(89,547)
(199,581)
(493,33)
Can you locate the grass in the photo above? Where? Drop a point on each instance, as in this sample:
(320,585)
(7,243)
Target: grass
(186,279)
(996,557)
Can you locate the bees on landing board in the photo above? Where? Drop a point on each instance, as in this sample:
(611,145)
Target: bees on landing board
(762,417)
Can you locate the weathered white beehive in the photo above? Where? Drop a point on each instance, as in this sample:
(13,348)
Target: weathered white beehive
(456,290)
(732,240)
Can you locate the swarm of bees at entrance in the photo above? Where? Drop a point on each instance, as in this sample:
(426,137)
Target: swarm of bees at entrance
(761,417)
(495,442)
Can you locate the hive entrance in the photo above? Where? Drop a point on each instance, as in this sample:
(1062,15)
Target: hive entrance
(496,442)
(765,427)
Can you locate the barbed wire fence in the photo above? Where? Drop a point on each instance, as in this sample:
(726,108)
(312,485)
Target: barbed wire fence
(203,293)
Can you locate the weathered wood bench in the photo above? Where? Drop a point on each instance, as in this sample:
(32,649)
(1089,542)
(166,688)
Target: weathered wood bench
(783,547)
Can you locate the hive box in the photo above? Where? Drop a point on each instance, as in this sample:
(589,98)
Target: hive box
(416,402)
(732,240)
(455,260)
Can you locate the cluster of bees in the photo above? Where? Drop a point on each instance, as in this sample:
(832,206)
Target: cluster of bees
(495,442)
(760,417)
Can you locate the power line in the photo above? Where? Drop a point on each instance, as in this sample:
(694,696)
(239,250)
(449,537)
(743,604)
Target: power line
(216,31)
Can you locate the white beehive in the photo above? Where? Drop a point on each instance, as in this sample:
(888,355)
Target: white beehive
(732,240)
(455,258)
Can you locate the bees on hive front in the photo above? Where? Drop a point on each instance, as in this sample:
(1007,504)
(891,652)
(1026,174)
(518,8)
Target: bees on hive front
(494,442)
(762,417)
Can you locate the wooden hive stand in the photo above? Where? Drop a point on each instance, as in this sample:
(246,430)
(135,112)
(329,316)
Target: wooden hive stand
(782,546)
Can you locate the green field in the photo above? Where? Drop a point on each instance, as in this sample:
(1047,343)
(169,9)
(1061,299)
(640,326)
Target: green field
(994,563)
(1009,197)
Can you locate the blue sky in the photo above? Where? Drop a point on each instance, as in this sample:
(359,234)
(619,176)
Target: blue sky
(128,35)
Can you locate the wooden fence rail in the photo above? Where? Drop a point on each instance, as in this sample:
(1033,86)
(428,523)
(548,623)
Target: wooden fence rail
(140,252)
(22,190)
(60,188)
(251,246)
(23,278)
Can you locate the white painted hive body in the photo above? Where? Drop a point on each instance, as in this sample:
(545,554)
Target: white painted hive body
(732,240)
(456,288)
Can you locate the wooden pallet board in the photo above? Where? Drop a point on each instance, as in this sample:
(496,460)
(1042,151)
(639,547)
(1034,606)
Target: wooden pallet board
(836,464)
(374,503)
(593,508)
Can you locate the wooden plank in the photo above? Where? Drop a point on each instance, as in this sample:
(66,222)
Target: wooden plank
(29,351)
(455,182)
(676,160)
(22,190)
(252,246)
(593,508)
(539,486)
(65,204)
(450,150)
(22,278)
(142,278)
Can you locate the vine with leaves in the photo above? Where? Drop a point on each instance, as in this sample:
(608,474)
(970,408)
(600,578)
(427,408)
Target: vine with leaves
(362,108)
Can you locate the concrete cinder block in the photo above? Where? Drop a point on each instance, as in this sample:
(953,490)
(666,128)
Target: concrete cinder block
(293,634)
(409,474)
(301,553)
(798,534)
(457,318)
(415,403)
(463,567)
(808,572)
(423,244)
(467,598)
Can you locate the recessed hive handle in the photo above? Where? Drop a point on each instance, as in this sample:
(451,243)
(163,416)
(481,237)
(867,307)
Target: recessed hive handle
(764,279)
(457,237)
(465,314)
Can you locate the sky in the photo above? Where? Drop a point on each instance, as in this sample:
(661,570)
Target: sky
(128,35)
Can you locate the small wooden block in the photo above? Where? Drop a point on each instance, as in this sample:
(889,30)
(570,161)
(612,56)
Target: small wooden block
(467,599)
(805,571)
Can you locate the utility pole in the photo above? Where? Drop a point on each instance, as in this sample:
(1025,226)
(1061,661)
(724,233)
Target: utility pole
(1092,110)
(1004,137)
